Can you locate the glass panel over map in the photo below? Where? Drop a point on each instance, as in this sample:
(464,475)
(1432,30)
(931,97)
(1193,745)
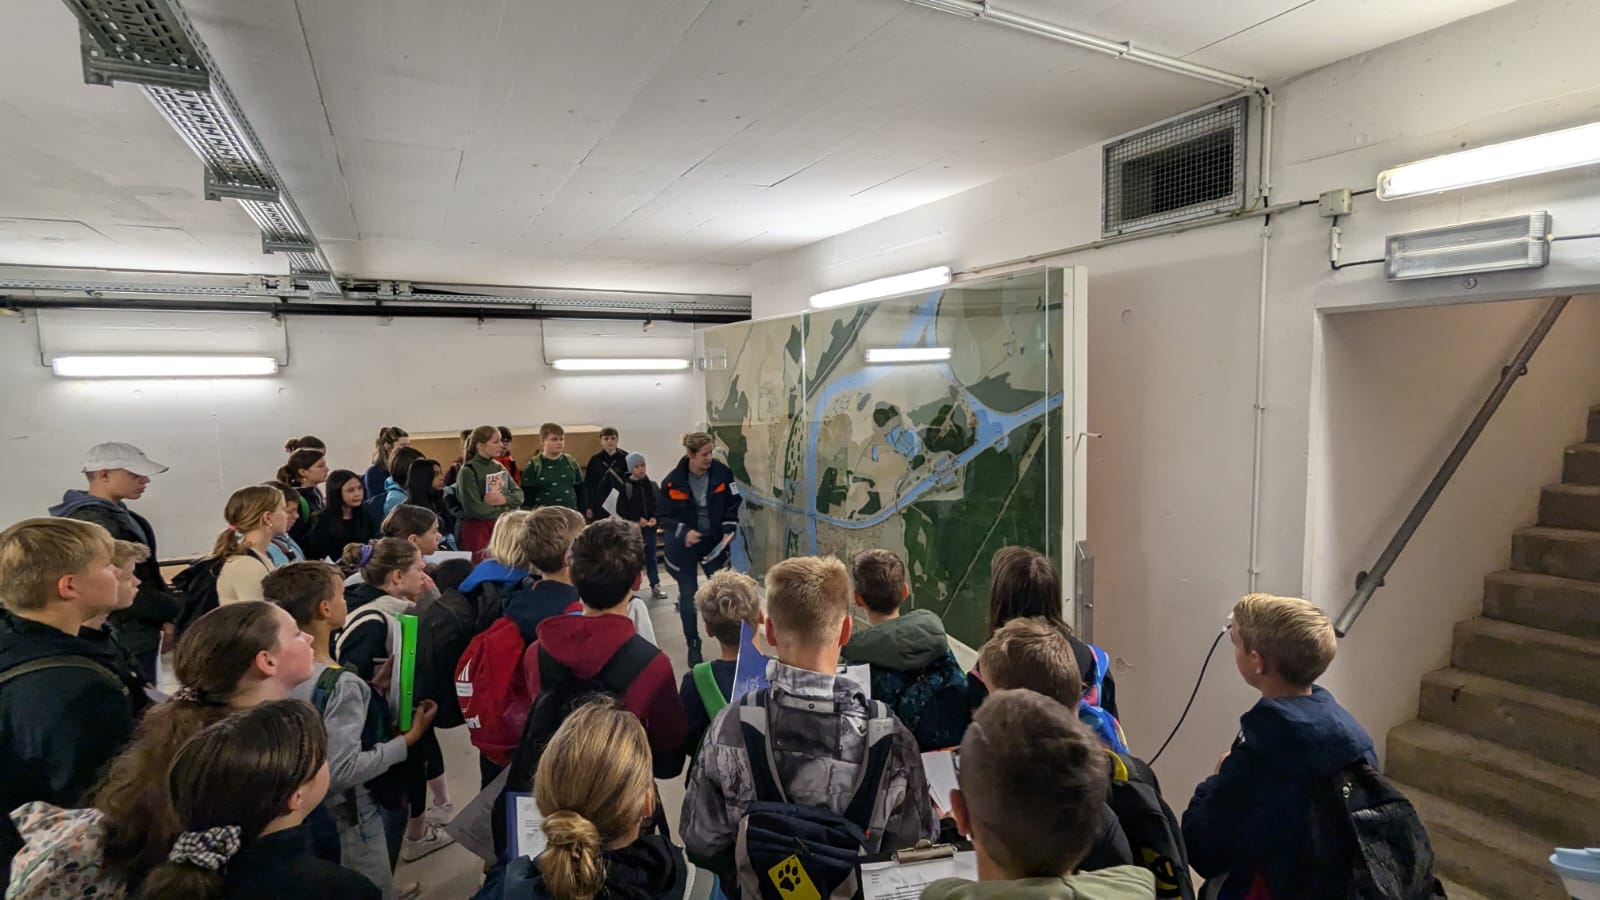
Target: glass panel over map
(940,461)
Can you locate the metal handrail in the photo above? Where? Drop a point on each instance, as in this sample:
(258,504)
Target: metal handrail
(1368,582)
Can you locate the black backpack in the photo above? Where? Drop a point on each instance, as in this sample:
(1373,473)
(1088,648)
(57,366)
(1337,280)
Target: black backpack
(391,788)
(933,702)
(560,692)
(786,850)
(448,623)
(197,585)
(1153,832)
(1367,843)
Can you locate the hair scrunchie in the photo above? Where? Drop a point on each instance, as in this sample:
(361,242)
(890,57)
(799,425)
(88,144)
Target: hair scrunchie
(208,849)
(187,694)
(365,557)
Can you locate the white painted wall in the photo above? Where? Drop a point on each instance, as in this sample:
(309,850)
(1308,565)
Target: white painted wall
(1172,343)
(347,378)
(1383,445)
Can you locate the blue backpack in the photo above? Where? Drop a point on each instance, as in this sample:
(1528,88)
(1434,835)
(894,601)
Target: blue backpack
(932,703)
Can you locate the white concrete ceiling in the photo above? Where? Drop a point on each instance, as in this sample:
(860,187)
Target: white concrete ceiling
(624,144)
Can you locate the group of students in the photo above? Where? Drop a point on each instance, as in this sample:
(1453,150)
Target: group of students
(279,767)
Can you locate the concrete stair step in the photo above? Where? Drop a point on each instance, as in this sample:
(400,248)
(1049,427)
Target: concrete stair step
(1544,601)
(1594,425)
(1581,464)
(1570,506)
(1558,730)
(1543,660)
(1488,857)
(1558,805)
(1562,552)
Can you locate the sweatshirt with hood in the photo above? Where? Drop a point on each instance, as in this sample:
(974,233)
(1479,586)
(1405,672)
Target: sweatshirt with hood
(650,868)
(1121,883)
(909,643)
(1247,819)
(138,626)
(58,726)
(584,644)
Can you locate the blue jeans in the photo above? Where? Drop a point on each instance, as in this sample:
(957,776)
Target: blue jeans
(648,533)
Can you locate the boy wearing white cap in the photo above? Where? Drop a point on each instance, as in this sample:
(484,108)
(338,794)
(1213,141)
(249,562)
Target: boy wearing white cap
(636,502)
(117,473)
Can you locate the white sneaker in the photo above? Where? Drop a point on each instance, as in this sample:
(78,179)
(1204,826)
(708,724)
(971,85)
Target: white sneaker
(440,816)
(434,838)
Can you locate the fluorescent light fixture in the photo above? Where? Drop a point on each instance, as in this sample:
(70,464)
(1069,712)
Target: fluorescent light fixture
(884,287)
(907,354)
(619,365)
(1550,152)
(1497,245)
(167,366)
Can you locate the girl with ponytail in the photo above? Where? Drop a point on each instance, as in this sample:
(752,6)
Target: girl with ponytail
(254,515)
(595,791)
(484,487)
(390,439)
(242,790)
(306,469)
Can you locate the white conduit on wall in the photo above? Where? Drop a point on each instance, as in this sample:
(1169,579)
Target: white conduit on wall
(982,10)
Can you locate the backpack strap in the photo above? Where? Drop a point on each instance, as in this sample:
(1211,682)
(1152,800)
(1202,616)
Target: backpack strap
(754,725)
(705,681)
(324,689)
(869,779)
(63,661)
(625,665)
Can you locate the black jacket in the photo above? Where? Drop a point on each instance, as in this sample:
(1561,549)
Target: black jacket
(1249,817)
(678,514)
(139,626)
(58,726)
(280,865)
(650,868)
(330,531)
(604,474)
(637,499)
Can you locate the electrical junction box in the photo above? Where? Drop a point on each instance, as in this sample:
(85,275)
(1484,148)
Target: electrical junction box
(1334,203)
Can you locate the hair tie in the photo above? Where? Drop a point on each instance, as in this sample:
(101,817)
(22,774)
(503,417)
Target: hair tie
(187,694)
(233,528)
(365,557)
(208,849)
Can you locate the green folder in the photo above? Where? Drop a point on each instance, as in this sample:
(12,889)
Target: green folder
(408,669)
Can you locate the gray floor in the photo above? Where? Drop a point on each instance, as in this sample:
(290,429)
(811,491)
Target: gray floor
(453,873)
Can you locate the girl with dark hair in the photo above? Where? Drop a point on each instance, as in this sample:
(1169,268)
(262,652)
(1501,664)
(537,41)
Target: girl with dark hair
(390,439)
(305,442)
(343,521)
(242,790)
(306,469)
(425,488)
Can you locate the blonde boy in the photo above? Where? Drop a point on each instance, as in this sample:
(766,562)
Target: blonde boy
(726,602)
(1244,823)
(66,711)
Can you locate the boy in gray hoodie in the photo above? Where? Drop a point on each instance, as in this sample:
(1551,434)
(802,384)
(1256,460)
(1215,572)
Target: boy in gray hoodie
(1032,786)
(313,593)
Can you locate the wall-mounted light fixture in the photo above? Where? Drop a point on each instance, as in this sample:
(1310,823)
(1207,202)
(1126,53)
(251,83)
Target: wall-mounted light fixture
(884,287)
(1497,245)
(163,366)
(907,354)
(1537,155)
(575,364)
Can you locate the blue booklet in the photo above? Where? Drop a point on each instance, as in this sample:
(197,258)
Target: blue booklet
(750,671)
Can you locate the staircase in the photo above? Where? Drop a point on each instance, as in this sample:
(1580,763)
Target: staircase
(1503,762)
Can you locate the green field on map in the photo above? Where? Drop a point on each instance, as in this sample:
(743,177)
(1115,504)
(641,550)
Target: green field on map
(942,462)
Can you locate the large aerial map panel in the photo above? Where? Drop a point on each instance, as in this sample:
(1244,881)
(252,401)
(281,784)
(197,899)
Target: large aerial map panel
(942,462)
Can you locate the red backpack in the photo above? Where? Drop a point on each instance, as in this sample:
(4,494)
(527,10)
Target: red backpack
(492,690)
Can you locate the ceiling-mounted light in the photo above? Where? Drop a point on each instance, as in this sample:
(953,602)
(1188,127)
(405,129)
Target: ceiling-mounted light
(1498,245)
(1537,155)
(574,364)
(163,366)
(884,287)
(907,354)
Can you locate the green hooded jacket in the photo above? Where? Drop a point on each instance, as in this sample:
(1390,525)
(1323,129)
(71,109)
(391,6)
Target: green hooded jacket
(909,643)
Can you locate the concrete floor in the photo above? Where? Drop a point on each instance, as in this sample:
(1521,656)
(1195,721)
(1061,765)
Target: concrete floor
(454,873)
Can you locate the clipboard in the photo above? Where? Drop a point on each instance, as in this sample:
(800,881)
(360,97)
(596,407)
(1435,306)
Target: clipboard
(906,872)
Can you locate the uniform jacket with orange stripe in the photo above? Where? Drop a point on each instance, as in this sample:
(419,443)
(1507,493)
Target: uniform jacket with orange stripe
(677,512)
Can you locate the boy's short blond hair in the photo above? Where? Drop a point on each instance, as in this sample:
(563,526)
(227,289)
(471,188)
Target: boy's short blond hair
(548,536)
(508,538)
(808,598)
(1033,780)
(36,553)
(1032,654)
(128,553)
(1291,634)
(726,600)
(880,580)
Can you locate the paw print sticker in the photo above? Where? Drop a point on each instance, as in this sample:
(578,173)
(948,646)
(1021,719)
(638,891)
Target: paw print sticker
(791,880)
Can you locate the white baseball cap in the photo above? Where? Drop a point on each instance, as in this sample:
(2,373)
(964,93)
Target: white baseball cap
(115,455)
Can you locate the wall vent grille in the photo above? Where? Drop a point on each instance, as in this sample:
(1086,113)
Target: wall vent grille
(1188,168)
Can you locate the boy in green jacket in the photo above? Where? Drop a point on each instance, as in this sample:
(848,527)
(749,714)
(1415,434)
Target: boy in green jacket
(552,477)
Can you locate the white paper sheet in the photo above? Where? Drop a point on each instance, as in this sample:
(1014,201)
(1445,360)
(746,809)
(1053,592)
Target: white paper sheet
(433,559)
(940,765)
(894,881)
(529,833)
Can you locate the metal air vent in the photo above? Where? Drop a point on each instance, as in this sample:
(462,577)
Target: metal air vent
(1188,168)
